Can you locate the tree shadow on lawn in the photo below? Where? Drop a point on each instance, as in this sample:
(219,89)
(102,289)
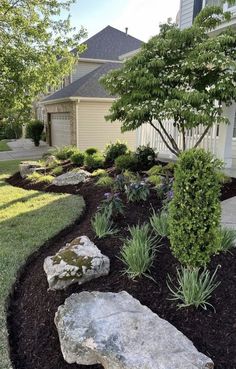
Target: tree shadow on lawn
(20,199)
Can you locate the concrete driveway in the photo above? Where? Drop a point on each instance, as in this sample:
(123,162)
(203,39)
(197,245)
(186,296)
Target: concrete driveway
(23,149)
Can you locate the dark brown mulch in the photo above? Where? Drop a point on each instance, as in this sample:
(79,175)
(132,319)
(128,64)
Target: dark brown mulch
(33,337)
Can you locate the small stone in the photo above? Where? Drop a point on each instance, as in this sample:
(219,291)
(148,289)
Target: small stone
(115,330)
(71,178)
(29,167)
(77,262)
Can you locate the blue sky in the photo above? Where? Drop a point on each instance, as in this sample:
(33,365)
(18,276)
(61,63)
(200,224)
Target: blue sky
(142,17)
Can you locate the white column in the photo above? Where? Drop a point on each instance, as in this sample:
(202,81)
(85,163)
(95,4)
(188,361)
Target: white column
(224,145)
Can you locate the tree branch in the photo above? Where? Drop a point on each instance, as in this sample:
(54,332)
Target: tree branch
(201,137)
(164,140)
(170,138)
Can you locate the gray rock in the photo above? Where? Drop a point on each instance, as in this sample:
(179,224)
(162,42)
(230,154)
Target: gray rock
(29,167)
(115,330)
(79,261)
(51,160)
(71,178)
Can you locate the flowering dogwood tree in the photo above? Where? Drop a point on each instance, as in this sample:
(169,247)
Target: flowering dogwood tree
(180,75)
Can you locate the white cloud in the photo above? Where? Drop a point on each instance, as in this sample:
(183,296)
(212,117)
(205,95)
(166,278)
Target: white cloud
(143,17)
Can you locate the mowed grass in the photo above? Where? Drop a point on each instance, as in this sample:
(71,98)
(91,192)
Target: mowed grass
(27,220)
(4,146)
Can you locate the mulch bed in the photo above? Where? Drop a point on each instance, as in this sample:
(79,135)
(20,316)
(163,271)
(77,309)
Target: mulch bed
(33,337)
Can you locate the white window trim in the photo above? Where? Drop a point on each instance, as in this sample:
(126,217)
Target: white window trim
(226,7)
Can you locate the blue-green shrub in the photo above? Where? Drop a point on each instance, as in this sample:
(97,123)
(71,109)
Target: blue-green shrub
(194,212)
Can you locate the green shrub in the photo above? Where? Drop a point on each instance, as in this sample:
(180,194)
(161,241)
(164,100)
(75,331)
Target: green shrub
(39,177)
(10,130)
(224,178)
(94,161)
(102,224)
(159,223)
(105,181)
(146,157)
(155,170)
(138,251)
(156,180)
(194,287)
(126,161)
(114,150)
(91,151)
(137,191)
(99,173)
(194,212)
(34,130)
(77,158)
(228,239)
(65,152)
(57,171)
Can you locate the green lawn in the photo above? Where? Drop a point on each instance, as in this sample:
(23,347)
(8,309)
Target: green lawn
(27,220)
(4,146)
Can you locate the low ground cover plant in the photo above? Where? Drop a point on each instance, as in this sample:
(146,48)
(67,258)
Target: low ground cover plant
(105,181)
(138,251)
(114,150)
(112,204)
(57,171)
(39,177)
(194,287)
(194,212)
(99,173)
(137,191)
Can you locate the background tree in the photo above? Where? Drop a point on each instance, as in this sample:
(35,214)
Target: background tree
(32,39)
(179,75)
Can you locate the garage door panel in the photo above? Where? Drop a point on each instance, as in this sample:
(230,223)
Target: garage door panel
(60,129)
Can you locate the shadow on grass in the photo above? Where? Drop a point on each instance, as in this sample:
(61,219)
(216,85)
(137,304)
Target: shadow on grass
(20,199)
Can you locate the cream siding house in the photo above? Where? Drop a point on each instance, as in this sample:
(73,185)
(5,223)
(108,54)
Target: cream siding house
(76,113)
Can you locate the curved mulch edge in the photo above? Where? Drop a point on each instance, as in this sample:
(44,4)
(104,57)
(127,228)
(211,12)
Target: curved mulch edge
(179,318)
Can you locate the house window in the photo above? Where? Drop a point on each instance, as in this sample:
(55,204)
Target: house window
(234,130)
(213,2)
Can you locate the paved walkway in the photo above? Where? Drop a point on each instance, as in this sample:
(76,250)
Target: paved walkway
(228,215)
(23,149)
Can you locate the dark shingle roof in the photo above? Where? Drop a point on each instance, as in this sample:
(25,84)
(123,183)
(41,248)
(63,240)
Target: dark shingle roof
(87,86)
(109,44)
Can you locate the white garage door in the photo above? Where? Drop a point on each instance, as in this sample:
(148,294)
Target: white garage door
(60,129)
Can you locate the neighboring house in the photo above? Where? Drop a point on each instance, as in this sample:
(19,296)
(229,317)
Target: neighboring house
(221,141)
(75,115)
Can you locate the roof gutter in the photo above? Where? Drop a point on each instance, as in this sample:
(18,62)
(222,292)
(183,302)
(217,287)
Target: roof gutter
(78,99)
(102,61)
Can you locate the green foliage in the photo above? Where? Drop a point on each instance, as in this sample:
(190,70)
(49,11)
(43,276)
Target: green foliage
(39,177)
(57,171)
(194,212)
(102,224)
(77,158)
(99,173)
(91,151)
(105,181)
(113,150)
(94,161)
(138,251)
(10,130)
(137,191)
(194,287)
(223,178)
(182,75)
(65,152)
(112,204)
(228,239)
(159,223)
(156,180)
(33,35)
(146,157)
(34,130)
(126,161)
(155,170)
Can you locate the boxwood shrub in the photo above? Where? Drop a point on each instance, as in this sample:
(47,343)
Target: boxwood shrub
(194,212)
(126,161)
(91,150)
(77,158)
(113,150)
(94,161)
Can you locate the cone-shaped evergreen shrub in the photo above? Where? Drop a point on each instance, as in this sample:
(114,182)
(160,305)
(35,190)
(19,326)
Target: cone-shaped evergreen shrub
(194,212)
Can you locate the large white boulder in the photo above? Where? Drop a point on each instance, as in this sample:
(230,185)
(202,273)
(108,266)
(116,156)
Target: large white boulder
(79,261)
(115,330)
(73,177)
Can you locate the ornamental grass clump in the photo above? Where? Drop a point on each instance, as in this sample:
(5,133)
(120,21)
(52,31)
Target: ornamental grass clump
(138,251)
(228,239)
(194,211)
(102,224)
(194,287)
(159,223)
